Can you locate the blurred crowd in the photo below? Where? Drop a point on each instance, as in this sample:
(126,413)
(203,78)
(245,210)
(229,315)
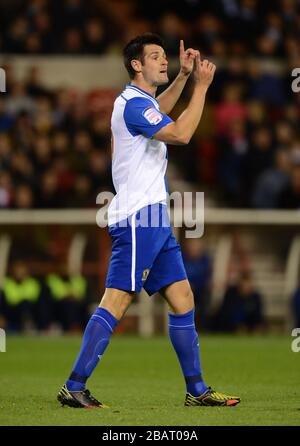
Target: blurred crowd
(55,144)
(250,150)
(218,27)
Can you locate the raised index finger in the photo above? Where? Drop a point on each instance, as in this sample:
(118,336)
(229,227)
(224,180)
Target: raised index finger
(181,47)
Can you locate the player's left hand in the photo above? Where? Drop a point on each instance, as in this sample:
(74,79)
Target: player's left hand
(187,58)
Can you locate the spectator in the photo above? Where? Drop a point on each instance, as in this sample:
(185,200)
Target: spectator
(233,153)
(33,44)
(95,40)
(244,21)
(265,86)
(5,189)
(256,116)
(171,30)
(19,101)
(6,120)
(34,83)
(271,183)
(234,72)
(21,167)
(60,143)
(42,117)
(83,193)
(23,198)
(290,196)
(73,43)
(48,195)
(241,309)
(98,169)
(42,155)
(230,109)
(69,294)
(259,158)
(42,25)
(284,133)
(5,150)
(16,35)
(21,300)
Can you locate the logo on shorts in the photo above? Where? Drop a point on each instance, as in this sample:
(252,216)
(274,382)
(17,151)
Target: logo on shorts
(152,115)
(145,274)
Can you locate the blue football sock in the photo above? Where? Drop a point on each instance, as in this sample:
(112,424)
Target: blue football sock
(95,340)
(185,341)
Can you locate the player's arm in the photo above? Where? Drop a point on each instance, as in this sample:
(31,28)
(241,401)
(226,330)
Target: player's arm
(168,98)
(181,130)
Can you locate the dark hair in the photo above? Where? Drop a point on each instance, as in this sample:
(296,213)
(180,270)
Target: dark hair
(135,49)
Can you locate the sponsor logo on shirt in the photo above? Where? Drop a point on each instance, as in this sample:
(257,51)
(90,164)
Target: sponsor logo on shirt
(152,115)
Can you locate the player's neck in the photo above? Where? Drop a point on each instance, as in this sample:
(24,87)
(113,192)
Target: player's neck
(144,86)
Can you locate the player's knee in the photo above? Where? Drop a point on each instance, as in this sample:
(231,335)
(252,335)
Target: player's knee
(184,303)
(116,302)
(116,310)
(189,298)
(124,304)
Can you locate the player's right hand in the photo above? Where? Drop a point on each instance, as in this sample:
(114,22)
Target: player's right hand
(203,71)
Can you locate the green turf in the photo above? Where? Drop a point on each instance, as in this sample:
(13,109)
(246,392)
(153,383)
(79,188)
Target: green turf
(141,381)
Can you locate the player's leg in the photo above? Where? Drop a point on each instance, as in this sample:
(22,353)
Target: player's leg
(183,335)
(185,341)
(121,284)
(116,302)
(171,292)
(134,248)
(96,337)
(168,276)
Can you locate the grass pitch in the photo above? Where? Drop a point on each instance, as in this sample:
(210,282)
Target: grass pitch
(141,381)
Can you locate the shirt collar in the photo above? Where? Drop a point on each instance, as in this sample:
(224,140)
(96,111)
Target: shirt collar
(134,87)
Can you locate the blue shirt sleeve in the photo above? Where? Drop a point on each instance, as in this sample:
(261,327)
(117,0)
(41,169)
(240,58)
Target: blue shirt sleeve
(142,117)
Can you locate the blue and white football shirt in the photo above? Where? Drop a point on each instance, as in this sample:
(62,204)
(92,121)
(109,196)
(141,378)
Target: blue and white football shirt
(139,162)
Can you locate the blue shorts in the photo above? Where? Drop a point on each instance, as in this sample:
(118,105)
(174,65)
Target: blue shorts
(144,255)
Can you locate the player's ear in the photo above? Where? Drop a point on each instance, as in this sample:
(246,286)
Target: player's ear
(136,65)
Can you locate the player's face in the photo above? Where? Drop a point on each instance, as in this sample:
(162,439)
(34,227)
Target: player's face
(155,65)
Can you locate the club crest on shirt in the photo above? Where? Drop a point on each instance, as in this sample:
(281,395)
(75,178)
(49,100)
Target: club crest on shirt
(152,115)
(145,274)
